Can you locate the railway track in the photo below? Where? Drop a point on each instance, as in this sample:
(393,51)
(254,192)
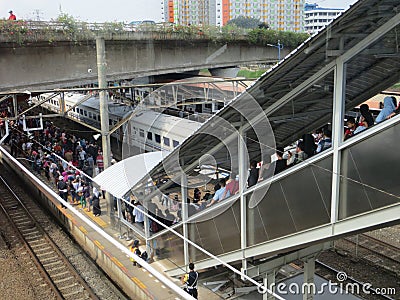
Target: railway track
(340,277)
(378,247)
(56,271)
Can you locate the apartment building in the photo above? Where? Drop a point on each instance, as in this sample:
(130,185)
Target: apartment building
(317,17)
(286,15)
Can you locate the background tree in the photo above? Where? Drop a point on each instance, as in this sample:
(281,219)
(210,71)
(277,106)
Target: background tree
(245,22)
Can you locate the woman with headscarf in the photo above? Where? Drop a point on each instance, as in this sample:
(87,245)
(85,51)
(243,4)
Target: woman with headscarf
(96,202)
(387,110)
(366,119)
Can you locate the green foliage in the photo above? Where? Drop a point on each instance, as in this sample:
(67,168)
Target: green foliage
(15,31)
(67,22)
(245,22)
(112,27)
(261,36)
(67,28)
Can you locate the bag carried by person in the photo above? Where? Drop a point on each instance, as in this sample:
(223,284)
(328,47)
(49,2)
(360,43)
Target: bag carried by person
(144,256)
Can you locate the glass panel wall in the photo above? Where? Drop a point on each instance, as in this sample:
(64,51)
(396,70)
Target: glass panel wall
(294,203)
(169,248)
(369,176)
(218,234)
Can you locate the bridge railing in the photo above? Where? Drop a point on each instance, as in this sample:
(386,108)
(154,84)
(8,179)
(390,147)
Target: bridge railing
(39,31)
(24,32)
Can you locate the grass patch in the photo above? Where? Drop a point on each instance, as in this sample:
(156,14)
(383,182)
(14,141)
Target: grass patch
(249,74)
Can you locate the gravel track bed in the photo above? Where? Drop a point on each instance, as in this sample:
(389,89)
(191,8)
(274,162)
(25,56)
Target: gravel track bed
(17,278)
(360,269)
(390,235)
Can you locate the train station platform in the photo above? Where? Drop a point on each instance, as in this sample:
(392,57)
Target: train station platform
(346,188)
(102,241)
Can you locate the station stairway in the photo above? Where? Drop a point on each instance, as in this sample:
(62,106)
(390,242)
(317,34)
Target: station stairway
(294,209)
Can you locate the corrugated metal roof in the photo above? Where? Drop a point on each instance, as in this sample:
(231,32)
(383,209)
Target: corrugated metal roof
(120,177)
(297,94)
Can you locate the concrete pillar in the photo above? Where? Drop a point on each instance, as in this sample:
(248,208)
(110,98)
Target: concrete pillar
(15,105)
(269,282)
(62,105)
(309,270)
(104,119)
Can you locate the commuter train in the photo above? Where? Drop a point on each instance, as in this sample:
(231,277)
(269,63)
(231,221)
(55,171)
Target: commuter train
(148,130)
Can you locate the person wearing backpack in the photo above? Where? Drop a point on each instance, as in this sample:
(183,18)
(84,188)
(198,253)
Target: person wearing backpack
(135,249)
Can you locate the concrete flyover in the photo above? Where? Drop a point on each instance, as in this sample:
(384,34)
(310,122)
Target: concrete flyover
(62,63)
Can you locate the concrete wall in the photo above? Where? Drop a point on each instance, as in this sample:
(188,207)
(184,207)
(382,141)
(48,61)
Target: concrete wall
(40,66)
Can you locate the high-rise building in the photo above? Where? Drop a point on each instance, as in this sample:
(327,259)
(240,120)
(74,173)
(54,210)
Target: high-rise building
(317,17)
(284,15)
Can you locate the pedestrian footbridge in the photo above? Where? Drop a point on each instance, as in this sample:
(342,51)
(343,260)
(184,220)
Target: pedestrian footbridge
(350,187)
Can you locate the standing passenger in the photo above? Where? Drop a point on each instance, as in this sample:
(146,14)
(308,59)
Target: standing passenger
(253,176)
(281,163)
(62,190)
(326,141)
(190,279)
(100,162)
(12,17)
(96,203)
(387,110)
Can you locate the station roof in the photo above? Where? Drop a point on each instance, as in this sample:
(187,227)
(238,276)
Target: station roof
(119,178)
(297,94)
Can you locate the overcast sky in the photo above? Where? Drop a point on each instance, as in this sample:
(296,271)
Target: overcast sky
(104,11)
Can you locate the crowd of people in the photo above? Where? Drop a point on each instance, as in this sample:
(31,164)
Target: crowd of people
(69,162)
(66,161)
(308,146)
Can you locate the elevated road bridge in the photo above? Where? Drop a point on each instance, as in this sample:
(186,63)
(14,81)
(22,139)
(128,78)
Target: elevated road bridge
(57,60)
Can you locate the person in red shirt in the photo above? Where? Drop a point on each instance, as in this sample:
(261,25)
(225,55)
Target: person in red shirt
(100,162)
(12,16)
(351,126)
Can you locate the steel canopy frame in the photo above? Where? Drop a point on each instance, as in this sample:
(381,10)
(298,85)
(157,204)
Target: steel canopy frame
(335,228)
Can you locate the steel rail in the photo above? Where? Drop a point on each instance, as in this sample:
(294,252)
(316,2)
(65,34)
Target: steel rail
(53,245)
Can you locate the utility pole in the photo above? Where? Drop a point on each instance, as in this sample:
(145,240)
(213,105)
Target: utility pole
(104,119)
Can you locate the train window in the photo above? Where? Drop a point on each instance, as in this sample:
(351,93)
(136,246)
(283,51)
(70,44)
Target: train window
(166,141)
(157,138)
(90,114)
(98,118)
(150,135)
(175,143)
(85,113)
(141,133)
(81,111)
(109,122)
